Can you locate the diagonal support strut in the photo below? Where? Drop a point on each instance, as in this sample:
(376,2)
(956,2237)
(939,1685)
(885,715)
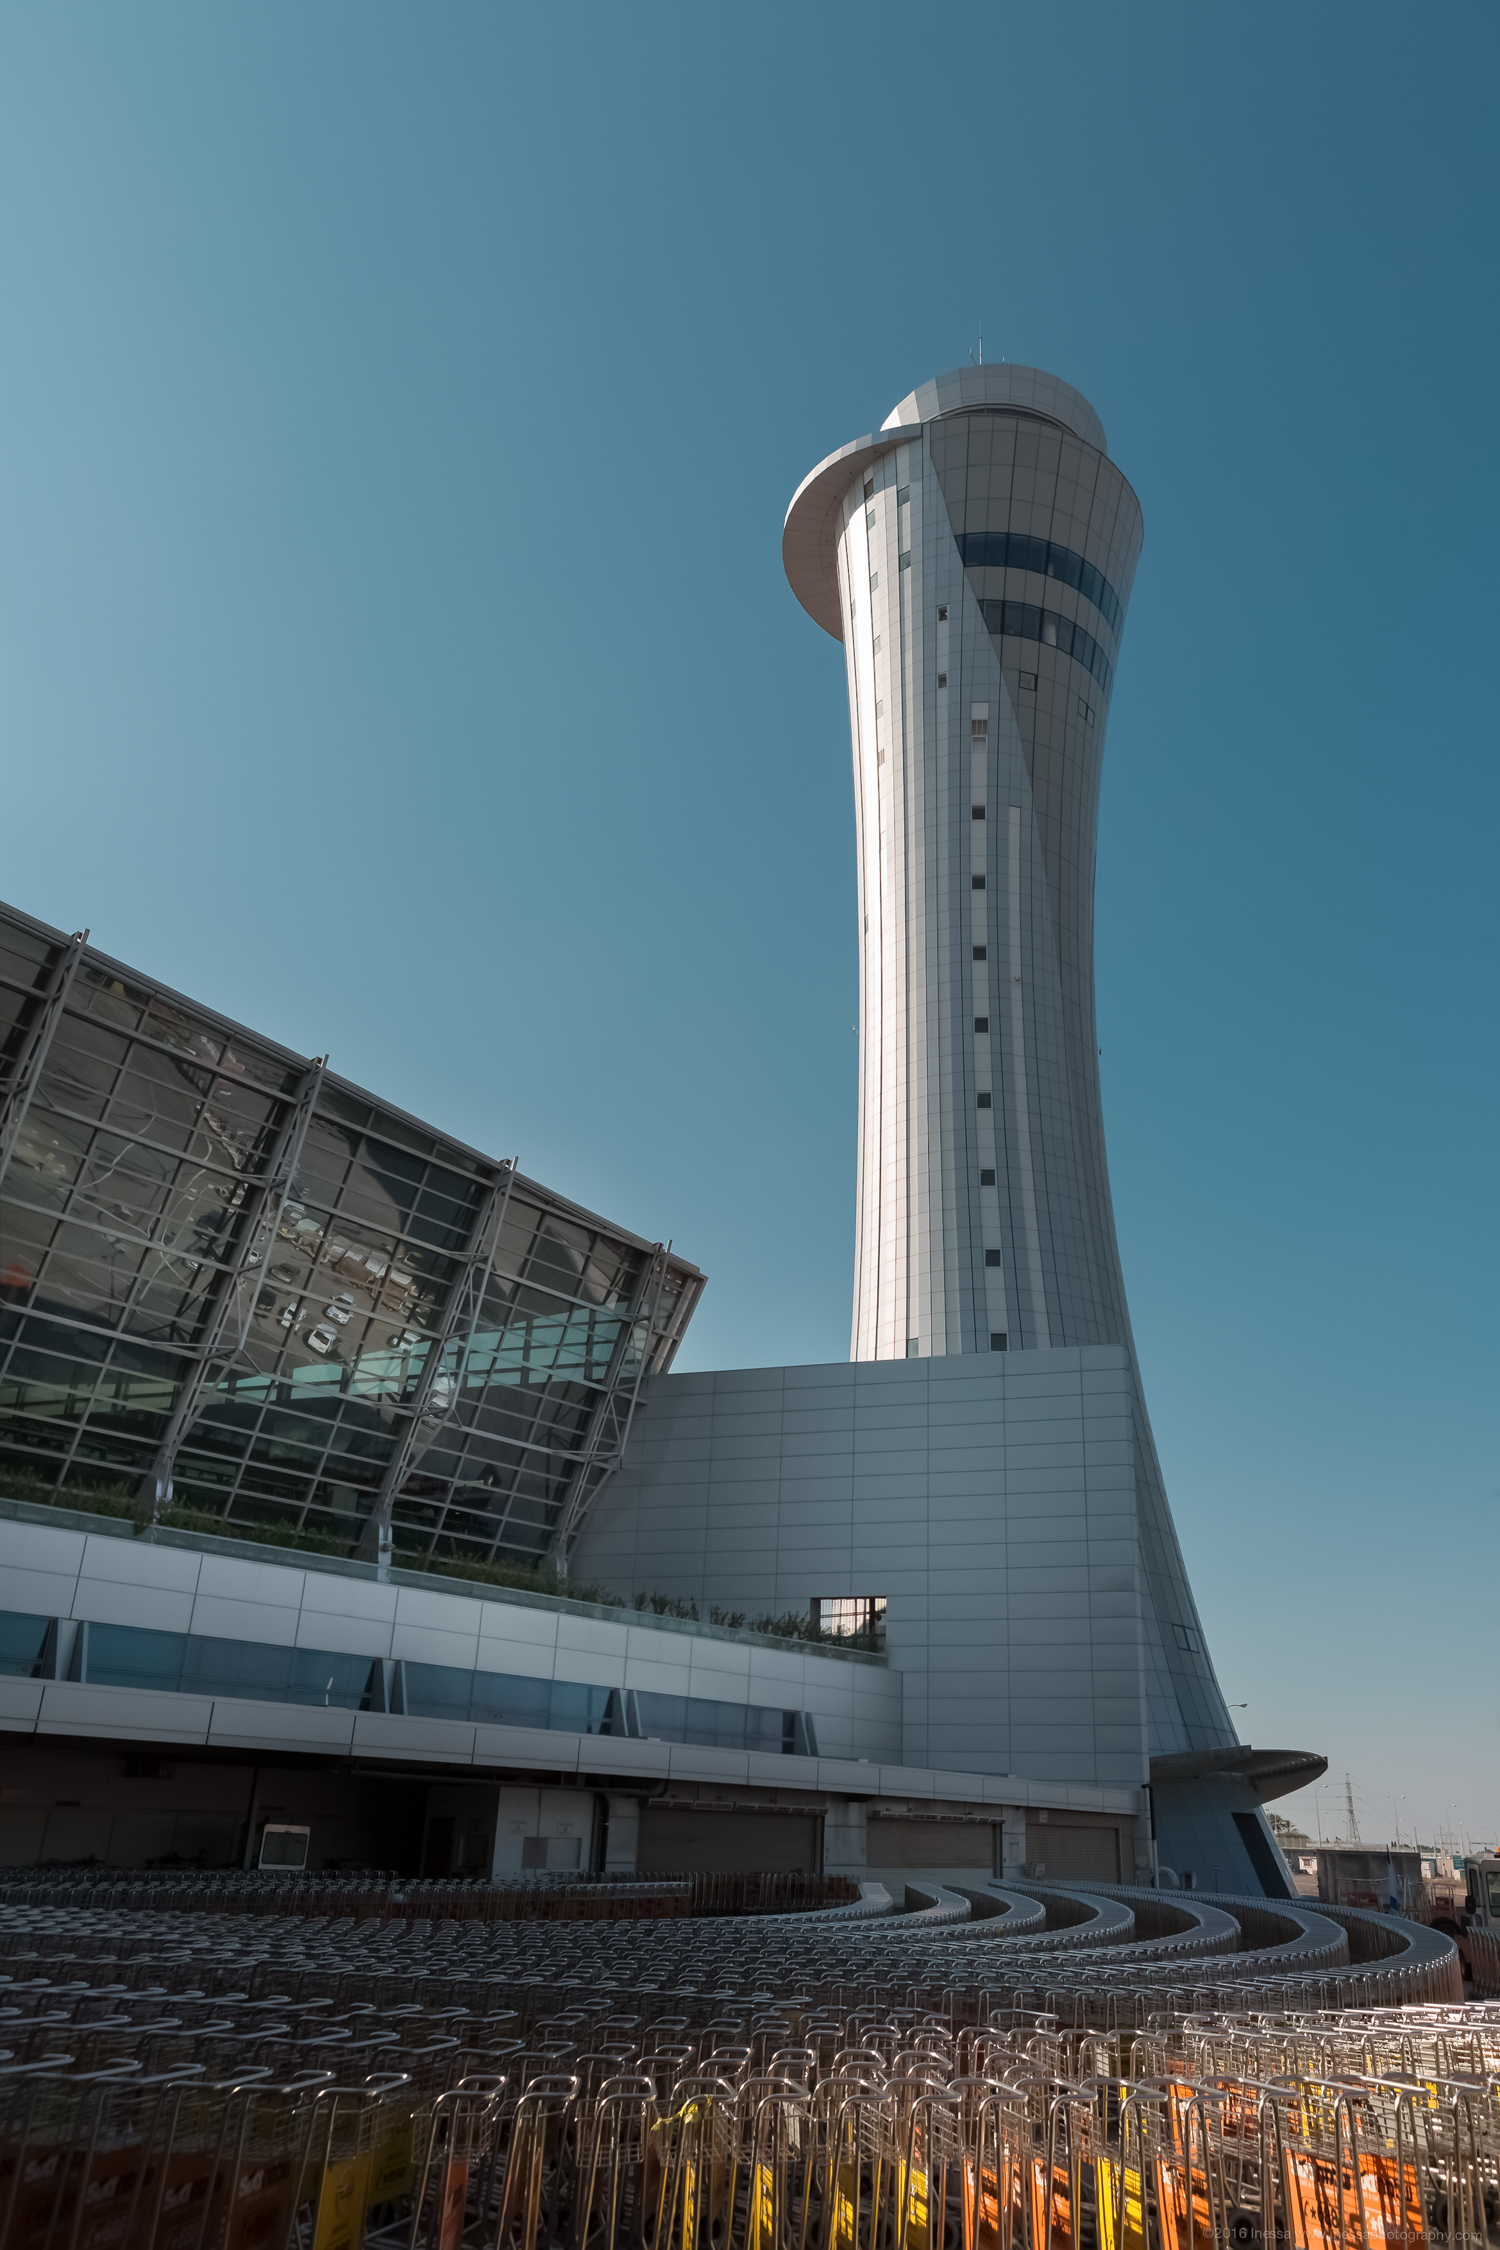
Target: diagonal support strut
(416,1418)
(609,1427)
(233,1304)
(16,1099)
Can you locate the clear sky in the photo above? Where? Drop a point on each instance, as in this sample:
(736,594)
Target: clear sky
(398,409)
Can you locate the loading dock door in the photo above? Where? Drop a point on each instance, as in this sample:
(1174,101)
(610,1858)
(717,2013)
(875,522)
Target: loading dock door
(727,1843)
(1070,1853)
(930,1843)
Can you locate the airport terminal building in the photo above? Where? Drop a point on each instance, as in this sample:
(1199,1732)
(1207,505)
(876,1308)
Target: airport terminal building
(305,1407)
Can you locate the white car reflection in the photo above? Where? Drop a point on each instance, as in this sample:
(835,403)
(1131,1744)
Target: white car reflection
(341,1308)
(322,1338)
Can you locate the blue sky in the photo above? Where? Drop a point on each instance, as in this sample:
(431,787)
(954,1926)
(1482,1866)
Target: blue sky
(398,408)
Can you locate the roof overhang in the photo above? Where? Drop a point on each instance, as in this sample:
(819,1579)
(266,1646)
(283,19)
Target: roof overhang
(1269,1773)
(810,537)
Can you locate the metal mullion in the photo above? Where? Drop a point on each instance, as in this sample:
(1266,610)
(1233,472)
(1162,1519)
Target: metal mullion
(156,1046)
(455,1155)
(126,1234)
(330,1212)
(85,1418)
(581,1304)
(26,1074)
(117,1095)
(84,1328)
(73,1015)
(476,1265)
(157,1148)
(63,1422)
(139,1280)
(693,1286)
(248,1461)
(576,1500)
(261,1221)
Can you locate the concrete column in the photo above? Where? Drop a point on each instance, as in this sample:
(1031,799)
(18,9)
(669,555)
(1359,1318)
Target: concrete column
(844,1838)
(1012,1841)
(622,1838)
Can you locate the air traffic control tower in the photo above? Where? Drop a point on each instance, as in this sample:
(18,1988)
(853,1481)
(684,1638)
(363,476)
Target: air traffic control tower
(975,558)
(985,1464)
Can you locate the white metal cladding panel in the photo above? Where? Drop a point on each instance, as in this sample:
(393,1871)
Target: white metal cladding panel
(40,1568)
(427,1625)
(989,1501)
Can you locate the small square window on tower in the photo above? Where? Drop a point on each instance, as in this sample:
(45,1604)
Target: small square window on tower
(981,952)
(987,1175)
(976,812)
(869,489)
(981,1023)
(985,1101)
(1028,682)
(943,614)
(997,1341)
(977,882)
(993,1258)
(942,679)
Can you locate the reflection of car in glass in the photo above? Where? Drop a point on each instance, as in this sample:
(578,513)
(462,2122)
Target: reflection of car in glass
(444,1391)
(341,1308)
(322,1338)
(290,1315)
(265,1303)
(407,1341)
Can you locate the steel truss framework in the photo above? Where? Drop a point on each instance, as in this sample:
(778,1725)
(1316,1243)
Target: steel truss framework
(235,1281)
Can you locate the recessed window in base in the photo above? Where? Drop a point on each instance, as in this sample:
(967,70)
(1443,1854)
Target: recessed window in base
(987,1176)
(997,1341)
(984,1101)
(913,1347)
(993,1258)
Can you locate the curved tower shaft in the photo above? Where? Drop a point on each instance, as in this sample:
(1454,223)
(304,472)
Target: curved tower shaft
(976,559)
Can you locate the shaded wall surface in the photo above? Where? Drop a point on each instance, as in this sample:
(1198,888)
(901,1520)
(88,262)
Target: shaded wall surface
(992,1502)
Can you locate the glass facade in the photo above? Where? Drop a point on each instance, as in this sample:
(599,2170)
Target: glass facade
(127,1210)
(442,1691)
(23,1642)
(714,1725)
(138,1656)
(1027,621)
(135,1656)
(1018,550)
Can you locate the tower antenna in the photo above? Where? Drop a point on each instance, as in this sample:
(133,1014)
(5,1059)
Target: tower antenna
(980,361)
(1354,1835)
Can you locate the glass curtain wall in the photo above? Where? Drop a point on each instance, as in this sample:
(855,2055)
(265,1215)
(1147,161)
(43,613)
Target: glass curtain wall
(127,1207)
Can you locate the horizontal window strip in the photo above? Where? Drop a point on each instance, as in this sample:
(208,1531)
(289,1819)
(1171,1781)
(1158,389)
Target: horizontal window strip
(204,1664)
(1027,621)
(1017,550)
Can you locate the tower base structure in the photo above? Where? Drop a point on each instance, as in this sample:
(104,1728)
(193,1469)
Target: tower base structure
(994,1515)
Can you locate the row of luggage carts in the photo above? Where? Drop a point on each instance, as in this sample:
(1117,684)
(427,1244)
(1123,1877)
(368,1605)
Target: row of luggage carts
(338,2084)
